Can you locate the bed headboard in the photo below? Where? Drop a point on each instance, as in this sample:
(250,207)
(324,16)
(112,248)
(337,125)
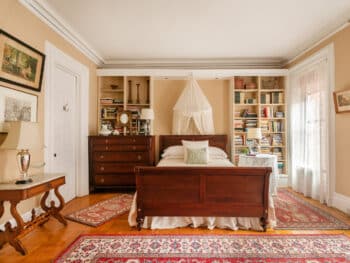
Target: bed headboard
(165,141)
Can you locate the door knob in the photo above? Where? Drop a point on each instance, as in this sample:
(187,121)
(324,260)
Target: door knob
(54,155)
(66,107)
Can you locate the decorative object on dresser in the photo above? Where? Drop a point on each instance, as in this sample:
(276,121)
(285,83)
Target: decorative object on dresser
(147,115)
(22,136)
(112,160)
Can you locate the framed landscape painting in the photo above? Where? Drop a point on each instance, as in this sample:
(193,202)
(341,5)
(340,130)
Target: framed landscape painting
(342,101)
(20,64)
(17,106)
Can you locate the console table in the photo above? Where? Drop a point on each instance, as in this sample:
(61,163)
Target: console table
(42,183)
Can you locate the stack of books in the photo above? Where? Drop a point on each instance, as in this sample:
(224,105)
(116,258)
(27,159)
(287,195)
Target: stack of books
(239,97)
(239,125)
(240,139)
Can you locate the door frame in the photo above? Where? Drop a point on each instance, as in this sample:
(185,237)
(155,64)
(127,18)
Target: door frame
(55,58)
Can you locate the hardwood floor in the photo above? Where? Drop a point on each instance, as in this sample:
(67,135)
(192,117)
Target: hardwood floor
(45,243)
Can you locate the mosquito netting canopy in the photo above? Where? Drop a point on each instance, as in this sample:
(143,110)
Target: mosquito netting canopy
(192,111)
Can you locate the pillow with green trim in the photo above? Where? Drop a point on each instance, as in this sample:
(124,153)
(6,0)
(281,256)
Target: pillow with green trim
(197,155)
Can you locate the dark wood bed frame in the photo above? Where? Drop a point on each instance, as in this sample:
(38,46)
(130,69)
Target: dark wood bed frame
(201,191)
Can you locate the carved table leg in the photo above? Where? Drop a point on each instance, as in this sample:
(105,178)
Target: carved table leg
(52,209)
(11,233)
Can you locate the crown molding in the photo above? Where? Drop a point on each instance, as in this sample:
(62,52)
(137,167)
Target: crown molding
(316,43)
(197,73)
(54,21)
(205,63)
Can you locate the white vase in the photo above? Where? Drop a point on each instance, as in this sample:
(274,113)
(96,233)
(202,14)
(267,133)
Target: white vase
(104,130)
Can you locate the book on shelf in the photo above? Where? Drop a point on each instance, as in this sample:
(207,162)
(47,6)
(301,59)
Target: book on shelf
(239,139)
(279,114)
(265,141)
(277,97)
(250,101)
(265,98)
(239,97)
(247,114)
(276,140)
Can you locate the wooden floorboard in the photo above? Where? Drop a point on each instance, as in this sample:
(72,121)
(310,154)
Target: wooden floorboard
(45,243)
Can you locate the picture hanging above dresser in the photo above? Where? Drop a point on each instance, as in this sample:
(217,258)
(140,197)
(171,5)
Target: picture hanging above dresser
(120,102)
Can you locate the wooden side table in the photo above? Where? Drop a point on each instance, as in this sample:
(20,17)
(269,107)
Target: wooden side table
(13,193)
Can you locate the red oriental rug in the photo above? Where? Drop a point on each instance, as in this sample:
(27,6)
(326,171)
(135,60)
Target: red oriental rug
(101,212)
(208,248)
(293,212)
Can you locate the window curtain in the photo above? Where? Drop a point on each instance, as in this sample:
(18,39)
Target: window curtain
(309,109)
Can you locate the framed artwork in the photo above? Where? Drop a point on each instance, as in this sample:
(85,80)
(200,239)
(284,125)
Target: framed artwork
(342,101)
(17,105)
(20,64)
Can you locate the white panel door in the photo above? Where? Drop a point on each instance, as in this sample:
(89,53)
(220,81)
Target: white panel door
(64,129)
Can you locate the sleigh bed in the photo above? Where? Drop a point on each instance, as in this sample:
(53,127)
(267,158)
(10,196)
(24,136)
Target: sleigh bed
(209,195)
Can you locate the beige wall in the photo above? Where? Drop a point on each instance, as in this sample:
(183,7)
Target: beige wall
(341,42)
(19,22)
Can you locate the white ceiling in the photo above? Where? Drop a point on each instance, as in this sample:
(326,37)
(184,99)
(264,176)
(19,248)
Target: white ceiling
(132,31)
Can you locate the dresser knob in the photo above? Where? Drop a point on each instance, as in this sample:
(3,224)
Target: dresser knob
(101,157)
(102,180)
(139,157)
(134,147)
(107,147)
(106,141)
(133,140)
(102,168)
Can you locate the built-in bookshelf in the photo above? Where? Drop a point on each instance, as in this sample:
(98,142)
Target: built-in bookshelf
(123,93)
(259,101)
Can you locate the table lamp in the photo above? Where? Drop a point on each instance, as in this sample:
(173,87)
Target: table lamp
(148,115)
(256,135)
(22,136)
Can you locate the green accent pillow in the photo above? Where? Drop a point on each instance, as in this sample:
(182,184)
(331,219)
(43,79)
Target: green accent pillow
(197,155)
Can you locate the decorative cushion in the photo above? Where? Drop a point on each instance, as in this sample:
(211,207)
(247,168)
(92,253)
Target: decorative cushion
(197,155)
(194,145)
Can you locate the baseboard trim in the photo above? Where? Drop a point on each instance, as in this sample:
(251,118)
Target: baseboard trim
(27,216)
(341,202)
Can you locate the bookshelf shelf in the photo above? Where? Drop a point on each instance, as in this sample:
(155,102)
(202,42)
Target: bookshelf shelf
(123,93)
(261,105)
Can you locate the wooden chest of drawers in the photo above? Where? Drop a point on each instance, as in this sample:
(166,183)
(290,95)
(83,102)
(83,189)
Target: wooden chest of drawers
(112,160)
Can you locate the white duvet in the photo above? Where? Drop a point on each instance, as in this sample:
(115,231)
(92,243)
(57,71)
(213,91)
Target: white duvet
(165,222)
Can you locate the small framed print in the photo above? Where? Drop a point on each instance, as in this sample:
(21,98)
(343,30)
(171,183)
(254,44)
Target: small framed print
(20,64)
(16,105)
(342,101)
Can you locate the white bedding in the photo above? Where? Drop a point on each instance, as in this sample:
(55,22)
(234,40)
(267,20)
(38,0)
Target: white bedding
(164,222)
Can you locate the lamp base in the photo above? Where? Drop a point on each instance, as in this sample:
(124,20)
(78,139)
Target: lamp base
(24,181)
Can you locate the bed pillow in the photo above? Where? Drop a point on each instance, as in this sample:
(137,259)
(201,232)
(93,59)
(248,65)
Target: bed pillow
(197,155)
(217,153)
(174,152)
(194,145)
(177,152)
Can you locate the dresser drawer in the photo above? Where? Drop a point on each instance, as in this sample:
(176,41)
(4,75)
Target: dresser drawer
(121,147)
(118,179)
(115,168)
(139,157)
(121,140)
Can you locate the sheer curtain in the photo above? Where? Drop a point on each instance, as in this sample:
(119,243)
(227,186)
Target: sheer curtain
(309,109)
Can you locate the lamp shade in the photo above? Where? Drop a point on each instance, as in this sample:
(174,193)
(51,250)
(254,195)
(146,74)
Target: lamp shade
(22,135)
(254,133)
(147,114)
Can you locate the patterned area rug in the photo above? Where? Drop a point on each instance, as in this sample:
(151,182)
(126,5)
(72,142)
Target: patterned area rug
(293,212)
(208,248)
(101,212)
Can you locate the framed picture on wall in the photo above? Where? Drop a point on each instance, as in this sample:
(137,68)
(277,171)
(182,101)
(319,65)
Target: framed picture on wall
(20,64)
(342,101)
(16,105)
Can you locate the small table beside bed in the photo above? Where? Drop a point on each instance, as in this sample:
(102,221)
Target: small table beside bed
(216,194)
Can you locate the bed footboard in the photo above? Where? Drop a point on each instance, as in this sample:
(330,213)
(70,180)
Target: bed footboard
(202,191)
